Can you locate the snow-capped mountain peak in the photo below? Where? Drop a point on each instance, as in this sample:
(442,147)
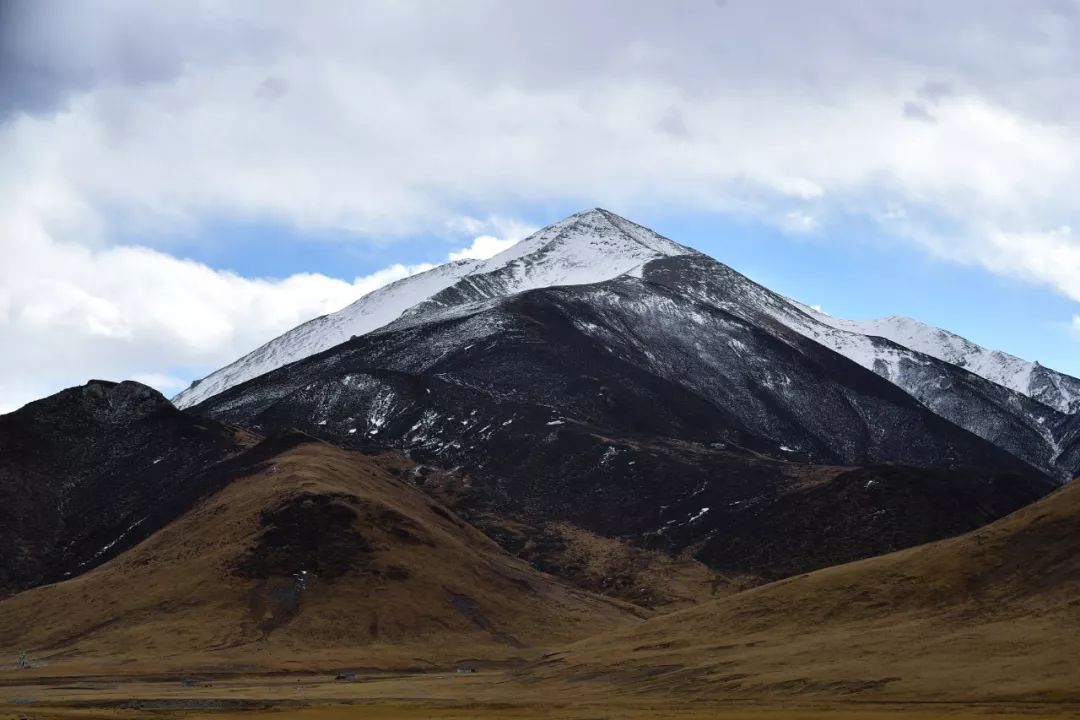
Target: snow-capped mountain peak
(587,247)
(596,245)
(588,235)
(1018,406)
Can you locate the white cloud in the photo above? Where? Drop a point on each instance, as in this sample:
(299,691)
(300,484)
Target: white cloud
(483,247)
(799,222)
(126,119)
(71,313)
(485,244)
(166,384)
(319,119)
(1050,257)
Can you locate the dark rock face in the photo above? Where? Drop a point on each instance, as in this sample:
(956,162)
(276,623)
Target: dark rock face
(89,471)
(828,521)
(658,408)
(314,533)
(1070,444)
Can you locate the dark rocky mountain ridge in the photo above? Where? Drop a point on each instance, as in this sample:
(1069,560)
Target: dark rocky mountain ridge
(91,470)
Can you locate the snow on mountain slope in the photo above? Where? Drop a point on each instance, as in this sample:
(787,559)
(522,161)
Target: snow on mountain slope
(369,312)
(587,247)
(1049,387)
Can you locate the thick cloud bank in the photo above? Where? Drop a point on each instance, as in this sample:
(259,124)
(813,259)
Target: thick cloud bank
(951,125)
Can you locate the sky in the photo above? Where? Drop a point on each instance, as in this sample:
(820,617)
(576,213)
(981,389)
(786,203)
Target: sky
(181,181)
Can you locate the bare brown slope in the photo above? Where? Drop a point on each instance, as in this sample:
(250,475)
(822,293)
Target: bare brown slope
(990,615)
(319,558)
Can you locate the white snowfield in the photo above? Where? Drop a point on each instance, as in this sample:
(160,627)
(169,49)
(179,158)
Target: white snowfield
(594,246)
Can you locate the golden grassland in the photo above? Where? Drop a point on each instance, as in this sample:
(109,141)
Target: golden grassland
(451,697)
(215,591)
(985,625)
(991,615)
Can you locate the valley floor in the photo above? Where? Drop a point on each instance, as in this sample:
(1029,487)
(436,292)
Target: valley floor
(438,696)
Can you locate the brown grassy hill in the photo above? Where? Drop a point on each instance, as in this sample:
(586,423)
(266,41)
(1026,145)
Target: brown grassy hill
(315,558)
(990,615)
